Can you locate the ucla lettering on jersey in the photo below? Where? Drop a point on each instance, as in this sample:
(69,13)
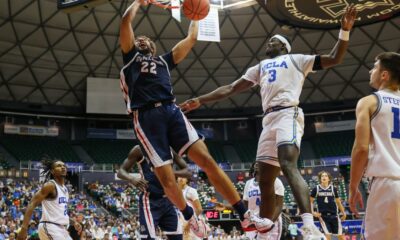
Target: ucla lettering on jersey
(274,64)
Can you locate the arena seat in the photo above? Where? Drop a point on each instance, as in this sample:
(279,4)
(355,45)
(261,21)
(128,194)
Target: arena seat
(333,144)
(108,151)
(34,148)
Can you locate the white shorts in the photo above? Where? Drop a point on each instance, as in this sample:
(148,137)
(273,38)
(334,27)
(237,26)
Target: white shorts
(274,234)
(382,217)
(49,231)
(279,128)
(251,234)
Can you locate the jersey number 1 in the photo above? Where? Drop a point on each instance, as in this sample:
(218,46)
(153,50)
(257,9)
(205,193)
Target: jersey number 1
(396,123)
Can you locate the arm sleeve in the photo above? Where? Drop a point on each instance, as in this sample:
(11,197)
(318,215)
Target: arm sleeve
(314,192)
(245,191)
(127,57)
(279,188)
(252,75)
(168,58)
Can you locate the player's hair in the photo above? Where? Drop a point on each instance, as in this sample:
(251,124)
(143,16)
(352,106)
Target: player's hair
(152,44)
(47,164)
(390,61)
(322,172)
(252,169)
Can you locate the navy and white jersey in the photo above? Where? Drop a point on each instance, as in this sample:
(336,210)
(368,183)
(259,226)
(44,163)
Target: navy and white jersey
(154,187)
(146,79)
(56,210)
(325,199)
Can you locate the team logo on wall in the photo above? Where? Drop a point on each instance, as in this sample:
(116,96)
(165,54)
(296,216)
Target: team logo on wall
(327,13)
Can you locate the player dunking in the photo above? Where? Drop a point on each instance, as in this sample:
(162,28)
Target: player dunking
(159,123)
(281,76)
(328,203)
(54,199)
(376,150)
(155,210)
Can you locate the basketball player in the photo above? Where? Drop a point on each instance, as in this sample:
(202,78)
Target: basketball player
(159,123)
(328,202)
(281,76)
(192,196)
(155,209)
(252,199)
(54,199)
(376,150)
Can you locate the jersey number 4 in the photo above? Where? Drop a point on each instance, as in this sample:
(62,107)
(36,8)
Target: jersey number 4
(146,67)
(396,123)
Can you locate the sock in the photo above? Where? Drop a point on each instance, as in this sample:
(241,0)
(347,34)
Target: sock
(187,212)
(240,208)
(307,218)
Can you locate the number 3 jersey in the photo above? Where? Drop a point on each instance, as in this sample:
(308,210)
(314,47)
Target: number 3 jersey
(384,147)
(56,210)
(281,78)
(146,79)
(252,194)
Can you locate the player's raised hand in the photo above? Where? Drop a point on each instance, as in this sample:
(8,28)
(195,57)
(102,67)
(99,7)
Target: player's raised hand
(355,200)
(190,105)
(140,183)
(349,17)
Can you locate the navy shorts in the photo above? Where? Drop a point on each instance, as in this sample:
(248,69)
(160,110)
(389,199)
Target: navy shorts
(161,128)
(331,224)
(158,212)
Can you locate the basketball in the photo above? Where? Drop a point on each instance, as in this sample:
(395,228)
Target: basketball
(196,9)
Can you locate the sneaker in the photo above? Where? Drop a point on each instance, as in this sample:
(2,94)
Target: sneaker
(261,224)
(198,227)
(311,232)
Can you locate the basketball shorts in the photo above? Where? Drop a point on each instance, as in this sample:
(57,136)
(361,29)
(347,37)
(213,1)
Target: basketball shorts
(331,224)
(158,212)
(382,216)
(48,231)
(161,128)
(279,128)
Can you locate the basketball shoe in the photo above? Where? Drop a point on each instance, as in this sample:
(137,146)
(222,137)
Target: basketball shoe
(251,222)
(311,232)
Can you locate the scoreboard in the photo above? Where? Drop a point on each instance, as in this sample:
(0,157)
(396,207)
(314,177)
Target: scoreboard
(226,215)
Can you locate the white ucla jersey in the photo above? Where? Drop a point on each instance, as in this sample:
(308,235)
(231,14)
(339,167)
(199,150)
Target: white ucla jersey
(384,147)
(56,210)
(252,193)
(281,78)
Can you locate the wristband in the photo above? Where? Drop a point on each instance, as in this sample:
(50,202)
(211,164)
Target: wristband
(344,35)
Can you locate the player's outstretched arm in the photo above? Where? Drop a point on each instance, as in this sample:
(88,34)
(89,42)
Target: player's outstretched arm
(336,56)
(133,157)
(359,155)
(182,48)
(220,93)
(126,35)
(47,190)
